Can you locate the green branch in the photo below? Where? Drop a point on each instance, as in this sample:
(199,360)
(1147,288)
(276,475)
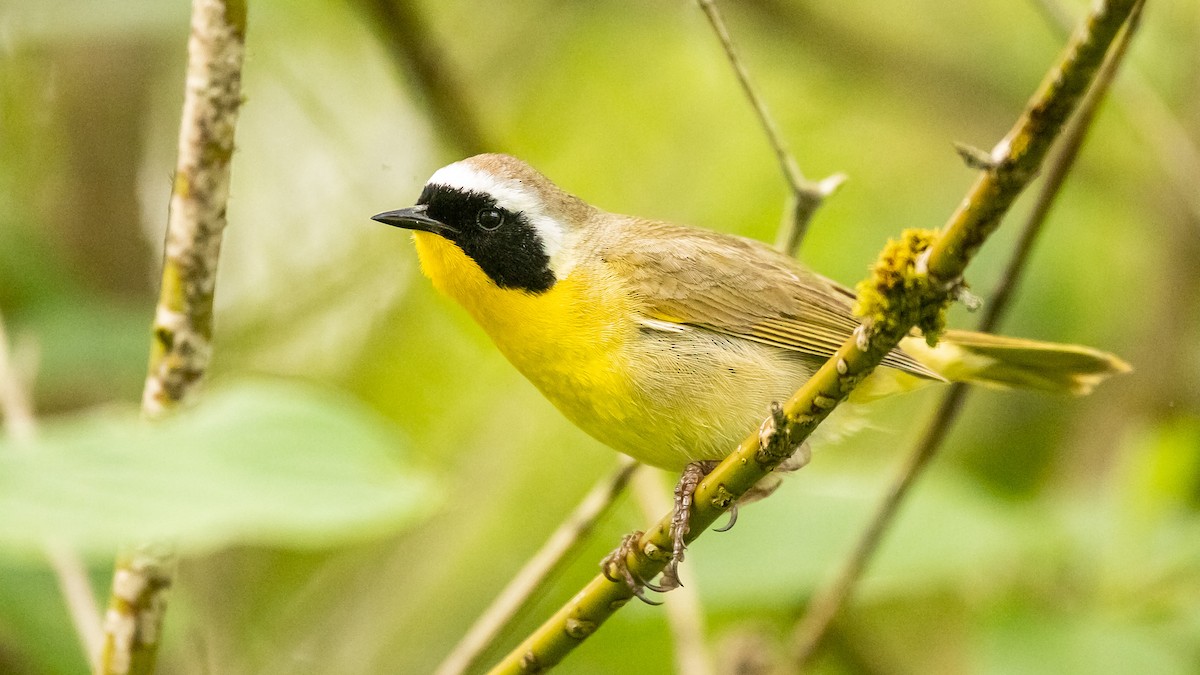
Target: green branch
(1013,162)
(182,331)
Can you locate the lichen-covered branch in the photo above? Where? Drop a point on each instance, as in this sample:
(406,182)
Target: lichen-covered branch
(806,195)
(182,332)
(1015,160)
(811,630)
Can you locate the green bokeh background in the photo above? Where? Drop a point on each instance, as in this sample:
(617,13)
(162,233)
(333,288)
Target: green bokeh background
(1052,535)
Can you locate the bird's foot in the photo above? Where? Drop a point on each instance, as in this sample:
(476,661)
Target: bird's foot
(615,568)
(615,565)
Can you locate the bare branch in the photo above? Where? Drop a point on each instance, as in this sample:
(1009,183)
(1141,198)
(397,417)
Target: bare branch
(813,628)
(71,574)
(806,196)
(827,601)
(181,344)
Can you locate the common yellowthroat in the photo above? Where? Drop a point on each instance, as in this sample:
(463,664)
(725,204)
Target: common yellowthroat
(668,342)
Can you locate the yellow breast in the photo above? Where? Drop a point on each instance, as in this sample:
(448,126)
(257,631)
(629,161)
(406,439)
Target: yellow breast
(566,341)
(663,397)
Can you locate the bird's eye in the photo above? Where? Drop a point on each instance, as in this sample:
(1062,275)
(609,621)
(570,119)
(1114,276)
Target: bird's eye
(490,219)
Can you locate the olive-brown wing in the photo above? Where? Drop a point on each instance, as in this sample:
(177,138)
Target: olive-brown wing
(738,287)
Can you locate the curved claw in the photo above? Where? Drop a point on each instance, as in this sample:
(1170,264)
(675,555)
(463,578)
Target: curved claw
(618,560)
(669,583)
(733,514)
(649,585)
(641,595)
(639,592)
(669,580)
(604,571)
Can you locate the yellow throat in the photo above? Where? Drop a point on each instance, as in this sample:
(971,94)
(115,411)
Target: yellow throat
(567,340)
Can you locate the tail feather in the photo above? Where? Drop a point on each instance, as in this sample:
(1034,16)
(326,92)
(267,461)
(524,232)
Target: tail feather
(993,360)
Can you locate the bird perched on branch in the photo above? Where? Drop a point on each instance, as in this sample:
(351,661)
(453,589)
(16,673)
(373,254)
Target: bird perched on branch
(666,342)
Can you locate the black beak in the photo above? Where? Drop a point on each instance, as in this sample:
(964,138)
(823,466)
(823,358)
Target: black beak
(414,218)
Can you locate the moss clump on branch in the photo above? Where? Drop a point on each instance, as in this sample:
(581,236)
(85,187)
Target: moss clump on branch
(900,292)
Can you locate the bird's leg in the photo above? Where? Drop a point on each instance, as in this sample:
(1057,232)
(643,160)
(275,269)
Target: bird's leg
(615,565)
(693,473)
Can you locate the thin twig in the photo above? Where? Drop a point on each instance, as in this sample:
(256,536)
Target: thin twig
(810,632)
(16,408)
(181,344)
(806,196)
(538,570)
(417,54)
(685,615)
(933,263)
(1175,150)
(20,423)
(71,574)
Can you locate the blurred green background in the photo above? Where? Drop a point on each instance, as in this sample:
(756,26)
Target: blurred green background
(1052,535)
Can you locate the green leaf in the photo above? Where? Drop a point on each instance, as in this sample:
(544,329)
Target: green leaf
(257,463)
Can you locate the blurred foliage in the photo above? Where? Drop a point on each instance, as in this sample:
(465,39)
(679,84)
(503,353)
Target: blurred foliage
(1053,535)
(254,465)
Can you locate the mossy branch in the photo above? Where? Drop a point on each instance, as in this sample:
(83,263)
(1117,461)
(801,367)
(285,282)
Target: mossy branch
(182,332)
(1014,161)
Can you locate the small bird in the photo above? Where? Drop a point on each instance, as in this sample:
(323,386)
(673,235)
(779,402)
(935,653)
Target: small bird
(666,342)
